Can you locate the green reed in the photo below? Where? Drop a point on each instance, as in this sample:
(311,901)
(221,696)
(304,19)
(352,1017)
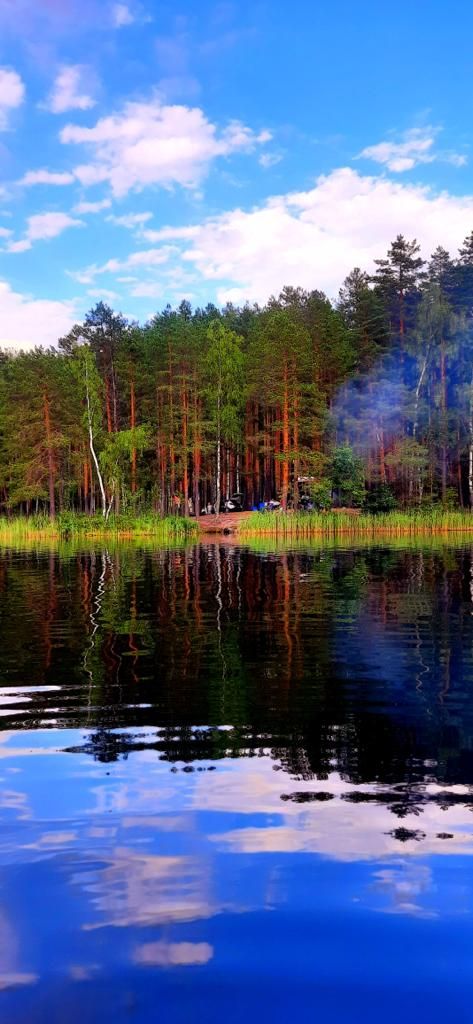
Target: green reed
(340,524)
(69,525)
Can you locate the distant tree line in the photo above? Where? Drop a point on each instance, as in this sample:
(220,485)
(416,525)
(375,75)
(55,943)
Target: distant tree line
(366,401)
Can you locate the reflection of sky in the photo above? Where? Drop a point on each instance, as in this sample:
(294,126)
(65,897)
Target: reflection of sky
(131,874)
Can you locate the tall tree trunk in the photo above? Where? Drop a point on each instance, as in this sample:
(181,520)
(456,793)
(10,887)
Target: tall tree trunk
(470,448)
(416,420)
(197,456)
(132,426)
(160,454)
(382,454)
(86,485)
(50,455)
(443,404)
(114,396)
(107,405)
(185,454)
(219,458)
(172,467)
(91,444)
(296,452)
(285,441)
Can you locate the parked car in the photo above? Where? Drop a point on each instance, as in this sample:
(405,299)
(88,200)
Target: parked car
(234,503)
(268,506)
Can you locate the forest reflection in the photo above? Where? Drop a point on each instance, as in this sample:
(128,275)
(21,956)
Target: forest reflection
(354,661)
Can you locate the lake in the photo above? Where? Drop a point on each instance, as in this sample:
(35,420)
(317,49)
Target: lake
(236,785)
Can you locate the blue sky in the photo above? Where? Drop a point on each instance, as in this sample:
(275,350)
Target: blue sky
(217,150)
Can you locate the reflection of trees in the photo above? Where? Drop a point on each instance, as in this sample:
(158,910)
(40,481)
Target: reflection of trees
(354,660)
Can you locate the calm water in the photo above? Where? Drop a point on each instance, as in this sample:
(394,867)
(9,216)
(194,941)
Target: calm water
(236,786)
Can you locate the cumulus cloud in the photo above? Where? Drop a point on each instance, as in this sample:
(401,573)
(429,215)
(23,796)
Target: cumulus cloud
(315,238)
(156,144)
(170,234)
(103,293)
(415,147)
(142,258)
(130,220)
(269,159)
(85,207)
(68,92)
(121,15)
(44,177)
(43,226)
(312,238)
(12,94)
(26,322)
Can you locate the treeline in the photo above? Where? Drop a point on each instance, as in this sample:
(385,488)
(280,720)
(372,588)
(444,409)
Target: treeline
(366,401)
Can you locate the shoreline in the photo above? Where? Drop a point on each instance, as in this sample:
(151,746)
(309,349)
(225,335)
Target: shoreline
(241,527)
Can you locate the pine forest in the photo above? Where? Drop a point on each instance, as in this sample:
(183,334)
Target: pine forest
(364,402)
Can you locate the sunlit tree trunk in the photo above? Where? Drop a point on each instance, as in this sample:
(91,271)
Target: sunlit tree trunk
(470,448)
(185,454)
(443,406)
(296,451)
(50,456)
(132,426)
(285,441)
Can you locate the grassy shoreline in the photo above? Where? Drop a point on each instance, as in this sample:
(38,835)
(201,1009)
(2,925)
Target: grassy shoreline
(278,527)
(171,528)
(338,524)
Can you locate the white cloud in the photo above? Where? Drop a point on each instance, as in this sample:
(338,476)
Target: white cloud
(143,258)
(103,293)
(457,159)
(68,91)
(48,225)
(315,238)
(156,144)
(86,276)
(415,147)
(43,226)
(85,207)
(121,15)
(12,94)
(44,177)
(312,238)
(269,159)
(5,232)
(20,246)
(26,322)
(130,220)
(169,234)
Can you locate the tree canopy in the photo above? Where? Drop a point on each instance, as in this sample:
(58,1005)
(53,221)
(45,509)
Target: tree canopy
(369,398)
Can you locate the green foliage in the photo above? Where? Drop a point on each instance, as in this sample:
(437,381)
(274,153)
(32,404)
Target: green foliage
(199,403)
(379,498)
(321,493)
(116,453)
(348,478)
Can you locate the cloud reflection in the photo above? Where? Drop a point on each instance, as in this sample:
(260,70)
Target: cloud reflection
(173,954)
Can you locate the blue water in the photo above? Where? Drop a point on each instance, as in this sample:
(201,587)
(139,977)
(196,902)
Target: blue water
(236,786)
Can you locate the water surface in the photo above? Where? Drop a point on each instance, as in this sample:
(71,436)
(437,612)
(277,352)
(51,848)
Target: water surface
(236,786)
